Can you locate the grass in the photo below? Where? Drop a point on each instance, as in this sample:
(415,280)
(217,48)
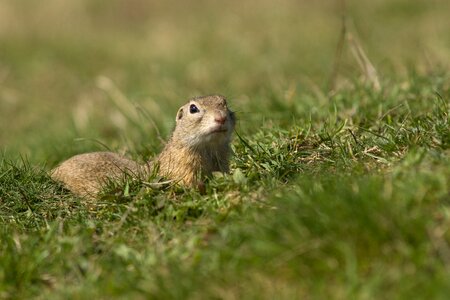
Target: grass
(333,194)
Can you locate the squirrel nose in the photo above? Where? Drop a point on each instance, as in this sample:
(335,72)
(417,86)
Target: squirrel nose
(221,119)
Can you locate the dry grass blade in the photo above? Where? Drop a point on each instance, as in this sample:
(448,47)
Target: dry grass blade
(339,48)
(121,102)
(369,71)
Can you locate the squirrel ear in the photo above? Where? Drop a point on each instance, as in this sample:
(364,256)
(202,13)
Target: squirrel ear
(179,114)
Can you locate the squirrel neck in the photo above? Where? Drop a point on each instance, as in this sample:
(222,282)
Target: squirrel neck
(189,164)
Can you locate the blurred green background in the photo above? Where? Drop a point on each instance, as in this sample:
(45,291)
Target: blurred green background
(335,193)
(77,69)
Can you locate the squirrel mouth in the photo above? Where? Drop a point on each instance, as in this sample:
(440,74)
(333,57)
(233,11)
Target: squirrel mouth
(218,130)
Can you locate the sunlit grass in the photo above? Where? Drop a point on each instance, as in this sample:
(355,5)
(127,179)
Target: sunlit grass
(340,193)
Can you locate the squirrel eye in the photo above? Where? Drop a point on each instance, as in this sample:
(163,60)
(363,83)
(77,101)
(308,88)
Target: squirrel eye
(193,109)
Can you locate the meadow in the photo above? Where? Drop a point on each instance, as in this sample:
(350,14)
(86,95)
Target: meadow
(340,179)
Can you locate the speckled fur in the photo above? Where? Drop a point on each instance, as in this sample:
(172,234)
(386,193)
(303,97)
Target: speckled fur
(198,146)
(85,174)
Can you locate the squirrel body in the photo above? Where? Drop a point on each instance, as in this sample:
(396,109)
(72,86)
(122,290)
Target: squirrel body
(198,146)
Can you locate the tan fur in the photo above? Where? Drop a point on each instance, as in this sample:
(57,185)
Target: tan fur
(198,146)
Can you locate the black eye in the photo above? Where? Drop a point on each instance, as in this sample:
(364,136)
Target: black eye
(193,109)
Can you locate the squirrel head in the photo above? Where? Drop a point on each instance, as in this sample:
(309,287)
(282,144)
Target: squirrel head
(204,121)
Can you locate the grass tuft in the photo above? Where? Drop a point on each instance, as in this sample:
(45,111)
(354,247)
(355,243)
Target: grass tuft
(341,194)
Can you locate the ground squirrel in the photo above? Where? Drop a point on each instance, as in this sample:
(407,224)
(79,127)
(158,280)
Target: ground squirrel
(198,146)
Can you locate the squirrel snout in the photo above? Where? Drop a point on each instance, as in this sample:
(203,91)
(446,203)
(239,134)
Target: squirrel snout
(220,118)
